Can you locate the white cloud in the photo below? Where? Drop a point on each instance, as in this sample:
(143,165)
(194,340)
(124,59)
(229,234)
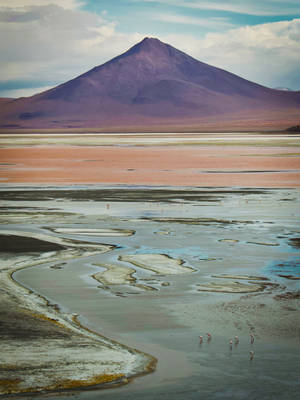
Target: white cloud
(253,7)
(67,4)
(54,44)
(258,7)
(268,53)
(15,93)
(212,23)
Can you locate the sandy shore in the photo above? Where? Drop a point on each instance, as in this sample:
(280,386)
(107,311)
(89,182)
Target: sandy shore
(44,349)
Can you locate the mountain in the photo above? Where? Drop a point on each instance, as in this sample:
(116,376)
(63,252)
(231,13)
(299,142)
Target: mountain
(153,85)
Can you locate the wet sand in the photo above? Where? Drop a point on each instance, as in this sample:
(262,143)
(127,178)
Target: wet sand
(176,160)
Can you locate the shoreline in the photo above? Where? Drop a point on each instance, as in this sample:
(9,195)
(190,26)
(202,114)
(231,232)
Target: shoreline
(126,363)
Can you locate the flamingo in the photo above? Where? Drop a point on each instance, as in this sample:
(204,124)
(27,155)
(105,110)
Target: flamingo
(230,344)
(251,355)
(236,340)
(252,338)
(208,337)
(201,339)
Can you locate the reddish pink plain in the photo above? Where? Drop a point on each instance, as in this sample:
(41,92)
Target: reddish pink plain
(243,166)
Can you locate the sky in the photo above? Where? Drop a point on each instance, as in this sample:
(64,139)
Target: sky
(47,42)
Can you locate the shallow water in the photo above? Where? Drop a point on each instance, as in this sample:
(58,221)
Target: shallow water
(156,321)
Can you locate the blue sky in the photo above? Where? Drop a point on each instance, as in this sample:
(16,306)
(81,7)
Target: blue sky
(173,16)
(47,42)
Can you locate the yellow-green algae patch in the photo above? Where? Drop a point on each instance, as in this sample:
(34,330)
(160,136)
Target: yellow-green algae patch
(96,380)
(9,386)
(158,263)
(230,287)
(229,240)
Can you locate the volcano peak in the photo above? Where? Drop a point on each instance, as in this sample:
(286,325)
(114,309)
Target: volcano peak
(147,45)
(151,83)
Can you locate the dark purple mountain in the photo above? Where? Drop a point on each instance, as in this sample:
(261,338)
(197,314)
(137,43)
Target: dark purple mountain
(152,84)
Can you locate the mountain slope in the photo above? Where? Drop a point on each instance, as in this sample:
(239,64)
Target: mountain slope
(151,84)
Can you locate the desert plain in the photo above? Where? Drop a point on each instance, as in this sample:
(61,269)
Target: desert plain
(119,250)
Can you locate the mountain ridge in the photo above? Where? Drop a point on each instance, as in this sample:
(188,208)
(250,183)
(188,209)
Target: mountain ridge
(151,83)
